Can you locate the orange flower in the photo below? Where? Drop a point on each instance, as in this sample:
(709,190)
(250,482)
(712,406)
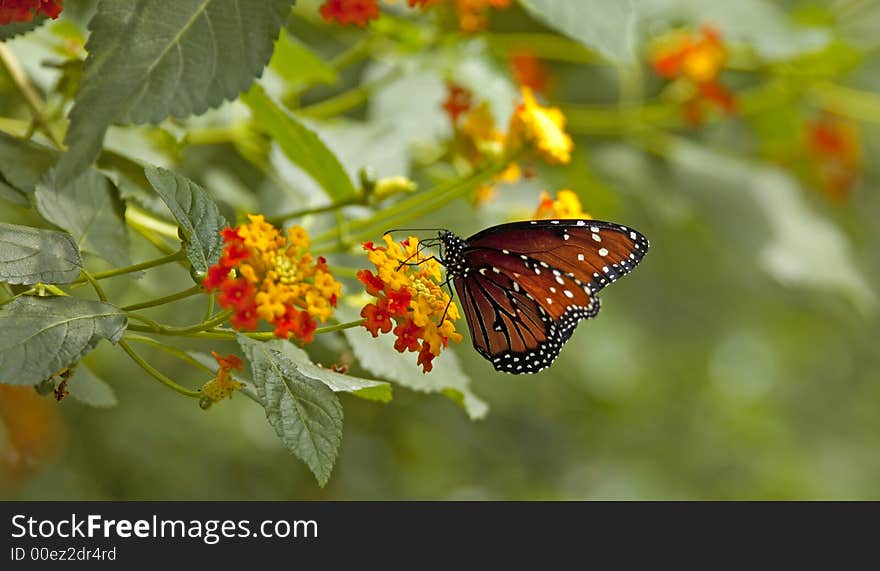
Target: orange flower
(473,14)
(263,275)
(25,10)
(528,71)
(223,385)
(565,205)
(409,300)
(344,12)
(698,59)
(835,149)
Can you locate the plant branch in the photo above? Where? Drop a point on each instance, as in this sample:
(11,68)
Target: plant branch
(29,93)
(155,373)
(194,290)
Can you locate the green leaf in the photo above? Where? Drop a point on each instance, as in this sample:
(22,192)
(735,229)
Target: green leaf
(380,358)
(804,248)
(88,388)
(40,335)
(304,412)
(13,195)
(149,59)
(23,163)
(365,388)
(88,209)
(8,31)
(302,146)
(31,255)
(196,213)
(296,63)
(606,27)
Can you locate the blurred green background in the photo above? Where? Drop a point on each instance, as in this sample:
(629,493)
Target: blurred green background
(738,361)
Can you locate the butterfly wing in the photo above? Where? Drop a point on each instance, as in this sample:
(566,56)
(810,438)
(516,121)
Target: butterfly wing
(528,284)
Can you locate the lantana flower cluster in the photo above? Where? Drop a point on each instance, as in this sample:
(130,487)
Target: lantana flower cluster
(694,60)
(264,275)
(476,137)
(472,14)
(26,10)
(410,303)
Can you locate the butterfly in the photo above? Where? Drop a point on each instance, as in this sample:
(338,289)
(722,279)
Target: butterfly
(524,286)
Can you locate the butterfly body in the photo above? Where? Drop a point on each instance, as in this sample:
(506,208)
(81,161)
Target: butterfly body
(524,286)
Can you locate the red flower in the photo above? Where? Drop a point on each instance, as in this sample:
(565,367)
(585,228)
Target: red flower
(229,361)
(425,358)
(528,70)
(371,282)
(25,10)
(245,318)
(216,275)
(234,292)
(399,301)
(458,101)
(408,336)
(297,323)
(345,12)
(377,317)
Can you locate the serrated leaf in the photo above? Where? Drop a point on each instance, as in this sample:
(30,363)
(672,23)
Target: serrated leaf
(32,255)
(89,389)
(196,213)
(88,209)
(380,358)
(606,27)
(300,145)
(304,412)
(8,31)
(41,335)
(296,63)
(365,388)
(23,163)
(139,51)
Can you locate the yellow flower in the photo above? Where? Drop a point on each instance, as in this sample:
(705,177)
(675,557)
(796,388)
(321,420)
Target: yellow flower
(480,130)
(565,205)
(543,127)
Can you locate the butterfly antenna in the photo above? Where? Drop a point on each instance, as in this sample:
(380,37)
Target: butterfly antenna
(414,230)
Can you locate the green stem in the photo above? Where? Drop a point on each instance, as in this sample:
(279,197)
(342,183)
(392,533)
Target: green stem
(357,52)
(179,353)
(230,335)
(30,95)
(416,205)
(95,285)
(194,290)
(155,373)
(279,219)
(146,220)
(209,308)
(347,100)
(178,255)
